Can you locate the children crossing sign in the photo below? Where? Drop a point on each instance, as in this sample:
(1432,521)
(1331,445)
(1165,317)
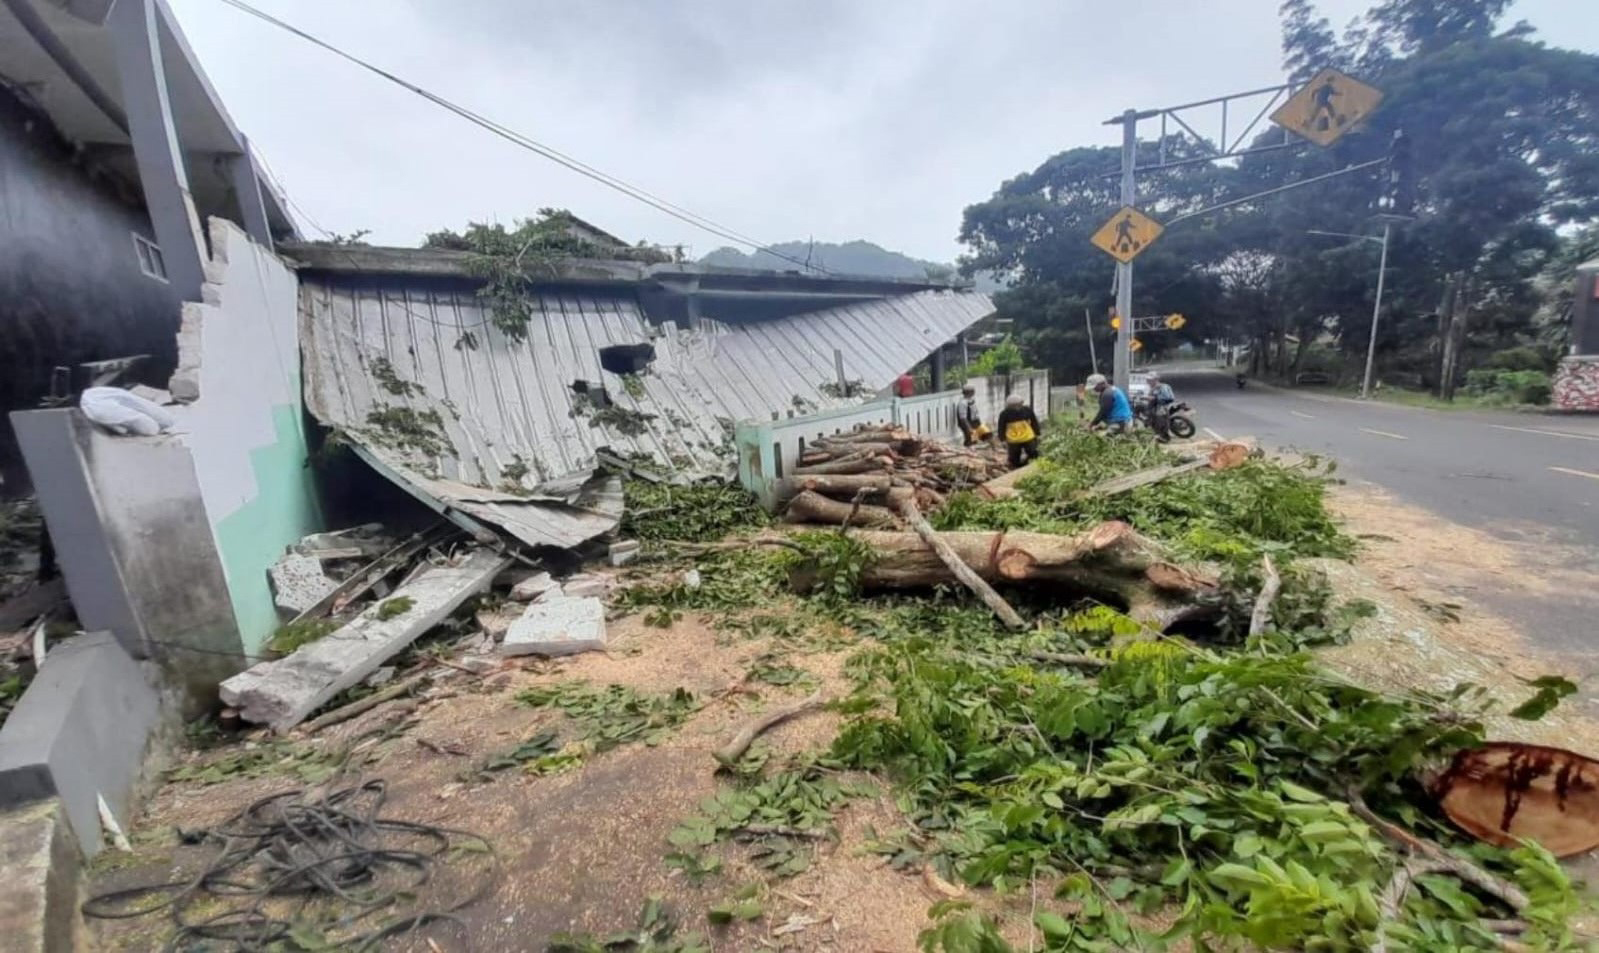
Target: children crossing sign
(1126,234)
(1328,106)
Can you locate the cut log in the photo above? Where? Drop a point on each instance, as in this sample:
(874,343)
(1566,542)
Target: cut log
(1111,561)
(854,463)
(963,572)
(868,434)
(809,507)
(1231,453)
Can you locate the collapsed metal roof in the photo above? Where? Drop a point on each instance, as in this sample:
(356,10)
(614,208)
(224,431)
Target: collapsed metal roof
(407,362)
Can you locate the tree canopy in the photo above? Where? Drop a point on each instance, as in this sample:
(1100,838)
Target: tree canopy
(1498,167)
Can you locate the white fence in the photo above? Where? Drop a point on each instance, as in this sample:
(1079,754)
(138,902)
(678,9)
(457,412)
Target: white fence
(770,450)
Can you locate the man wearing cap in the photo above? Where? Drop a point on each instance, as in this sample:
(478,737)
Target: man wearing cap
(1019,426)
(1115,413)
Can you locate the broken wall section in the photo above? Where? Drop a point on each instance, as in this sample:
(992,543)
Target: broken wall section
(243,419)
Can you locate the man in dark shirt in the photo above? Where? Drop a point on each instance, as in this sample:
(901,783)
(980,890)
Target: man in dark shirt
(1019,427)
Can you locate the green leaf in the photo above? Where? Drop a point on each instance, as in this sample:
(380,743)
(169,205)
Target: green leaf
(1053,925)
(1296,793)
(1550,690)
(1237,875)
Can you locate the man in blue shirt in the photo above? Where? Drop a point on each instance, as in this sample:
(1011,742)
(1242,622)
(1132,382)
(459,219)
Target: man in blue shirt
(1114,410)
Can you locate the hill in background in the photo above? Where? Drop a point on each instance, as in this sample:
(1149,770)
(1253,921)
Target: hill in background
(850,258)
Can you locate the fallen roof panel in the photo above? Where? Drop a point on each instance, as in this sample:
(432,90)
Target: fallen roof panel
(415,371)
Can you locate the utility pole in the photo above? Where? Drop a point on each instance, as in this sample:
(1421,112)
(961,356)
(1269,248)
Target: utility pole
(1088,322)
(1376,310)
(1121,356)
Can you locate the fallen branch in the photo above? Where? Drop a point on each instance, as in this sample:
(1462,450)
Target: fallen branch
(1268,594)
(1393,897)
(963,572)
(362,705)
(781,830)
(730,753)
(1446,860)
(1147,477)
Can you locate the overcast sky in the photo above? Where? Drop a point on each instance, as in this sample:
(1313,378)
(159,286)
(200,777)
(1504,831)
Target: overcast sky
(784,119)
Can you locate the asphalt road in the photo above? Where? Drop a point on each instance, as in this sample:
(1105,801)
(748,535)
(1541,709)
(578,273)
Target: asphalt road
(1520,477)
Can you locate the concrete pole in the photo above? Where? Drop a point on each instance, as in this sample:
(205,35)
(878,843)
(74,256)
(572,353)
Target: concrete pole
(156,152)
(1376,310)
(247,189)
(1121,362)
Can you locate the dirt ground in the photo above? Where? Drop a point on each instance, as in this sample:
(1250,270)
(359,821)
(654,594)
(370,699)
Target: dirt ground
(583,850)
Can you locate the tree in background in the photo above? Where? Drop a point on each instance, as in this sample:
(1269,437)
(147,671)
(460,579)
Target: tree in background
(1502,137)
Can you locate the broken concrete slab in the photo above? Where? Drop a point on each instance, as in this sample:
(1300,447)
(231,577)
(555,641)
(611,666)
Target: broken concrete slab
(532,587)
(80,732)
(284,692)
(298,582)
(38,879)
(586,585)
(559,626)
(624,552)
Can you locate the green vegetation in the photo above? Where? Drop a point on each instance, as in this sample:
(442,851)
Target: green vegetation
(511,260)
(696,513)
(292,635)
(310,765)
(405,429)
(383,372)
(393,608)
(615,714)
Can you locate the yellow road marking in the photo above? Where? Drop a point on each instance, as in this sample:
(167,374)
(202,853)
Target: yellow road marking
(1581,473)
(1306,416)
(1384,433)
(1547,433)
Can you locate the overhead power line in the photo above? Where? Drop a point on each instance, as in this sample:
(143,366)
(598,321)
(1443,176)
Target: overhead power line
(534,146)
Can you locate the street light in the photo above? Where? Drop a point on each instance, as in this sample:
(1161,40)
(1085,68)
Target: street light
(1376,307)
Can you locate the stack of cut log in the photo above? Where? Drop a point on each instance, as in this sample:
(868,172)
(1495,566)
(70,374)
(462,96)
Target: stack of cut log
(863,477)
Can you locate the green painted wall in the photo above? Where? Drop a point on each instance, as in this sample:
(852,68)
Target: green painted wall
(253,537)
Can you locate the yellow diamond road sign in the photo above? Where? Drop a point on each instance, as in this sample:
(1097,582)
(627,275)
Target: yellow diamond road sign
(1135,344)
(1328,106)
(1127,233)
(1175,321)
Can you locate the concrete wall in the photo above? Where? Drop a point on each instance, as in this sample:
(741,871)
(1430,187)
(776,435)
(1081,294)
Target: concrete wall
(134,545)
(239,368)
(70,285)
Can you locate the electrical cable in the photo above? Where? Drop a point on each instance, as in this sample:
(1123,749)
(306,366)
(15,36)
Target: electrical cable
(532,145)
(285,864)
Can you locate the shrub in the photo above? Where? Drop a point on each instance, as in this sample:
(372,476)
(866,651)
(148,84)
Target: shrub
(1523,358)
(1509,387)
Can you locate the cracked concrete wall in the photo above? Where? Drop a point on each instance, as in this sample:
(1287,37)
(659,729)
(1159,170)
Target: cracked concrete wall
(243,420)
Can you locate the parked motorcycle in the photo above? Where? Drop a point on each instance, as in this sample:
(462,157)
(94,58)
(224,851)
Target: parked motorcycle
(1179,417)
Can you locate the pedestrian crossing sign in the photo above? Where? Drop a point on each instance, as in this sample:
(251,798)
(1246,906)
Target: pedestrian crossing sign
(1126,234)
(1328,106)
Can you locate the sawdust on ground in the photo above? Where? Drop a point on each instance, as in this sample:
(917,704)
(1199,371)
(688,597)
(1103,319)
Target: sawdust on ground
(581,851)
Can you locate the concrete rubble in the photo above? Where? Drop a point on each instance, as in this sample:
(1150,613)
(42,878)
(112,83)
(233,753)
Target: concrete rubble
(564,625)
(532,587)
(299,582)
(282,693)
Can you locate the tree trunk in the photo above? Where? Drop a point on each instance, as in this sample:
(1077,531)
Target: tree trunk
(1112,562)
(809,507)
(960,569)
(856,463)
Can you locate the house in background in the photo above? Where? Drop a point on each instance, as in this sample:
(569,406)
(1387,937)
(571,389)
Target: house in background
(113,149)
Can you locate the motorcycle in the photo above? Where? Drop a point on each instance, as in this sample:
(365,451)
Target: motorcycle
(1242,381)
(1179,417)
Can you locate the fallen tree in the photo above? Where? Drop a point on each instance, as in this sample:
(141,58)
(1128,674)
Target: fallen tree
(1112,562)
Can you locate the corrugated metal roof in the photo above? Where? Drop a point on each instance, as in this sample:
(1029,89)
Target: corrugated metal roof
(492,425)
